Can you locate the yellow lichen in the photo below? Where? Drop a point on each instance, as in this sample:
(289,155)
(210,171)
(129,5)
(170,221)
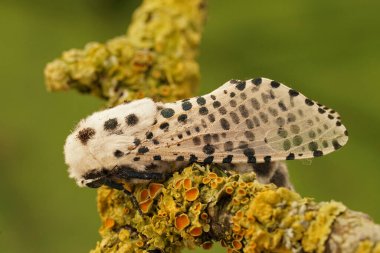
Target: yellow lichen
(156,58)
(365,247)
(320,228)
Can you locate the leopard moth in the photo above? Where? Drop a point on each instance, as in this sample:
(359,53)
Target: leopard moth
(253,122)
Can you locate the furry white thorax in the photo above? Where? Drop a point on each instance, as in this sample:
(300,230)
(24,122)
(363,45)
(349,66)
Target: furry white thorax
(95,153)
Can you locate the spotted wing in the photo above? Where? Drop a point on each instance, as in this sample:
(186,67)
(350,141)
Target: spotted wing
(244,121)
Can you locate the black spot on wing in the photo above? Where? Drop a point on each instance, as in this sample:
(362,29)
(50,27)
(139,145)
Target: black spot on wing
(201,101)
(225,124)
(336,144)
(257,81)
(110,124)
(180,158)
(293,93)
(164,126)
(193,158)
(85,135)
(131,119)
(143,150)
(290,156)
(203,110)
(309,102)
(241,85)
(227,159)
(118,153)
(182,118)
(186,105)
(208,159)
(149,135)
(208,149)
(275,84)
(167,112)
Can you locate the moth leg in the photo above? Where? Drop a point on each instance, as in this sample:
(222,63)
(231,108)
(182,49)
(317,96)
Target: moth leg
(118,186)
(223,169)
(127,173)
(134,201)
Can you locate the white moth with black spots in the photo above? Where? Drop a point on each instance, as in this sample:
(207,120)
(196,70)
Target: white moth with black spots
(257,122)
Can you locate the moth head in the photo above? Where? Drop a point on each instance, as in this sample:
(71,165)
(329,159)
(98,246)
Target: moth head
(97,142)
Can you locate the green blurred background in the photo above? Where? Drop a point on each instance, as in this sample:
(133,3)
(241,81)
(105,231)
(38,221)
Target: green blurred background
(329,50)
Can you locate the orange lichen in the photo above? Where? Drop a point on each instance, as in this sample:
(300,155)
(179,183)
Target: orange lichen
(182,221)
(109,223)
(242,192)
(164,90)
(145,205)
(229,190)
(236,228)
(239,214)
(204,216)
(144,195)
(187,183)
(139,244)
(178,184)
(207,245)
(154,189)
(214,185)
(219,180)
(244,200)
(212,175)
(198,207)
(238,237)
(237,244)
(192,194)
(206,180)
(195,231)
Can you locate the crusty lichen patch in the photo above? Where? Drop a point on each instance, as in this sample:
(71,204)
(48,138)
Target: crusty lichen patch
(279,220)
(174,220)
(320,227)
(156,58)
(202,204)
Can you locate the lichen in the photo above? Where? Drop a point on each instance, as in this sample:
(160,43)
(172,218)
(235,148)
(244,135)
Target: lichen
(245,215)
(172,223)
(156,58)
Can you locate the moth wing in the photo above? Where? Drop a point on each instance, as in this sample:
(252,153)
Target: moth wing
(250,121)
